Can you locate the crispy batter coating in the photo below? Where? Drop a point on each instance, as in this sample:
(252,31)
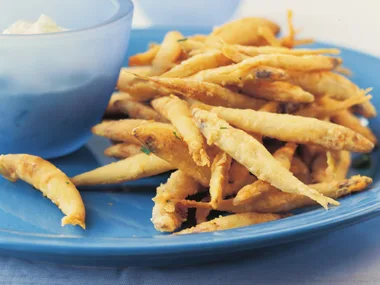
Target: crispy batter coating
(253,155)
(281,202)
(168,53)
(335,85)
(132,168)
(347,119)
(167,216)
(285,156)
(245,31)
(297,129)
(51,181)
(120,130)
(144,58)
(208,93)
(122,150)
(179,114)
(277,91)
(219,177)
(231,222)
(137,110)
(166,142)
(188,67)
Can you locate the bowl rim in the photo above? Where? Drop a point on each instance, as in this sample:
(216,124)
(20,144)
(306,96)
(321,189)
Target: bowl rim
(125,9)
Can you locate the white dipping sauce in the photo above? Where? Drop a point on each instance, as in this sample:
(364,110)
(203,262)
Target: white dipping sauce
(43,25)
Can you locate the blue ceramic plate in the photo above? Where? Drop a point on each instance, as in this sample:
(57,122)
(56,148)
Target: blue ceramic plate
(119,229)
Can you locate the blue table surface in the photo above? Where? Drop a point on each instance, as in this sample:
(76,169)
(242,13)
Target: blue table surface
(348,256)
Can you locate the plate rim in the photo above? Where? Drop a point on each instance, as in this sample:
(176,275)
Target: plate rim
(251,236)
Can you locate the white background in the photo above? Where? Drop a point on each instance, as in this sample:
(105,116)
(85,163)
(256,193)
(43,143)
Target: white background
(354,24)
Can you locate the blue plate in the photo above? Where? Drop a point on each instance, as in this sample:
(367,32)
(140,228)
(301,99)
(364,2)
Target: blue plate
(119,229)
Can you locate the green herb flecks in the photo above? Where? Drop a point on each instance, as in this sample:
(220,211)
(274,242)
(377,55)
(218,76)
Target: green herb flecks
(223,128)
(146,150)
(182,40)
(362,162)
(175,134)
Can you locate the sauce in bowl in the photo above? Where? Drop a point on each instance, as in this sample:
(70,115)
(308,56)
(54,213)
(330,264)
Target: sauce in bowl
(55,83)
(43,25)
